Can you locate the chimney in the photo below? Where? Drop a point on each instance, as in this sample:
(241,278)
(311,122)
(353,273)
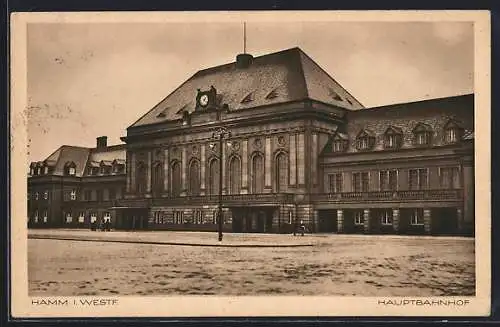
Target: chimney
(102,142)
(244,60)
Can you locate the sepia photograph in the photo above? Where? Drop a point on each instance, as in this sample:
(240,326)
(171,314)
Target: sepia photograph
(258,156)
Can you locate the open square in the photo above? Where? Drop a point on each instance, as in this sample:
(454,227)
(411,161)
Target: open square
(350,265)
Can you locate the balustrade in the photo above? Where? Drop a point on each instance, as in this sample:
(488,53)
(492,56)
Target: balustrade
(439,194)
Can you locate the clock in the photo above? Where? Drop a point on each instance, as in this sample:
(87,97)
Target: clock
(204,100)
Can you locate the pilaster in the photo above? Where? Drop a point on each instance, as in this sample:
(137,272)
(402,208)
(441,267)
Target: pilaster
(202,169)
(395,220)
(293,160)
(184,171)
(340,221)
(166,172)
(244,167)
(366,220)
(427,221)
(267,166)
(300,159)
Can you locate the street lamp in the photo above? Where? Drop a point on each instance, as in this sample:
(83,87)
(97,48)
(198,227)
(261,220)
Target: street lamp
(219,135)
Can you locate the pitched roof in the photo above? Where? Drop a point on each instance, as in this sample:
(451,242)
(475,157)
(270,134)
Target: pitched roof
(285,76)
(81,156)
(75,154)
(107,156)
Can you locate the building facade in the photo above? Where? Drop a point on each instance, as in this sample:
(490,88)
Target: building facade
(301,150)
(75,186)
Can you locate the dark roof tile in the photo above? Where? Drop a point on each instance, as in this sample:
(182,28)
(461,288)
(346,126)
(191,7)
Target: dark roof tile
(291,71)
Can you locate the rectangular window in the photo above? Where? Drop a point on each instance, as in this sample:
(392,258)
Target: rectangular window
(36,195)
(99,195)
(338,146)
(422,138)
(93,217)
(158,217)
(358,218)
(73,195)
(335,183)
(72,171)
(388,180)
(179,217)
(449,177)
(363,143)
(361,182)
(392,141)
(417,179)
(417,217)
(81,217)
(386,217)
(36,216)
(107,217)
(46,195)
(69,218)
(451,135)
(45,216)
(112,194)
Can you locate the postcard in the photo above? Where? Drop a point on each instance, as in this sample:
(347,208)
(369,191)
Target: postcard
(226,164)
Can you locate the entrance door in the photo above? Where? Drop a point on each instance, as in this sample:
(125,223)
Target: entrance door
(238,220)
(444,221)
(327,221)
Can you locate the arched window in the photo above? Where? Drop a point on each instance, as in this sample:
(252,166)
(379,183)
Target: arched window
(234,175)
(213,181)
(176,178)
(257,174)
(194,177)
(157,178)
(281,172)
(141,178)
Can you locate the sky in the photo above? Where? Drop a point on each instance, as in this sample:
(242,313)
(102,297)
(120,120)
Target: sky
(91,79)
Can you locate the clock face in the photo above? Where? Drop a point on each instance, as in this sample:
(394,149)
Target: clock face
(204,100)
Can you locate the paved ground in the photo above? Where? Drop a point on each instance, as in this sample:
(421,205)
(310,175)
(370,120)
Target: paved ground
(336,265)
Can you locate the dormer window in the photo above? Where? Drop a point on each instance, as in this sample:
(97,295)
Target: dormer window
(105,167)
(272,95)
(38,171)
(46,170)
(70,168)
(335,96)
(393,137)
(451,135)
(422,134)
(452,132)
(339,142)
(365,140)
(186,118)
(248,98)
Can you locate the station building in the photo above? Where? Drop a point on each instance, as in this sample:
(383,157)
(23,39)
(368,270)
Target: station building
(301,149)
